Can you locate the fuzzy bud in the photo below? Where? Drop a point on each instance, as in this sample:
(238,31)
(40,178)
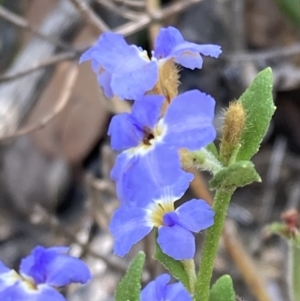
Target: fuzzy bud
(233,127)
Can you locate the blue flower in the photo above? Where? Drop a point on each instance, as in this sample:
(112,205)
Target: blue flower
(171,44)
(160,290)
(126,70)
(123,70)
(40,272)
(149,139)
(130,224)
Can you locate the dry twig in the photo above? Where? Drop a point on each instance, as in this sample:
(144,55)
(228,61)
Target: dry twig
(91,17)
(265,54)
(23,23)
(64,99)
(55,59)
(132,3)
(122,11)
(127,29)
(152,6)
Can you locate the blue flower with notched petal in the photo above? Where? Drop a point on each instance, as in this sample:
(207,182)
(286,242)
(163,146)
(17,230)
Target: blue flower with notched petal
(123,70)
(130,224)
(171,44)
(160,290)
(40,273)
(149,139)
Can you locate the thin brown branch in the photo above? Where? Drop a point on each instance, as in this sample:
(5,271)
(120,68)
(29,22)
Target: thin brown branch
(64,99)
(90,16)
(152,6)
(23,23)
(265,54)
(121,11)
(127,29)
(132,3)
(166,12)
(65,56)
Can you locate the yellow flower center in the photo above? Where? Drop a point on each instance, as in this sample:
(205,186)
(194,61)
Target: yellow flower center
(158,212)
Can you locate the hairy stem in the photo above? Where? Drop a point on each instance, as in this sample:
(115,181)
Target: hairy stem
(189,267)
(210,248)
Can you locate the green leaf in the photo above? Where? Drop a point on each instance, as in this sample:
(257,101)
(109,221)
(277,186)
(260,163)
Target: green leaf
(238,174)
(175,267)
(222,290)
(258,103)
(129,288)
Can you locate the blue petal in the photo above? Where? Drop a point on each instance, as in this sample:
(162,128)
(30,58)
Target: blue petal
(127,130)
(170,44)
(54,267)
(104,80)
(187,54)
(177,189)
(134,77)
(189,120)
(147,111)
(177,292)
(141,178)
(124,133)
(19,292)
(156,289)
(87,55)
(176,242)
(128,226)
(3,268)
(167,39)
(110,51)
(120,173)
(66,269)
(195,215)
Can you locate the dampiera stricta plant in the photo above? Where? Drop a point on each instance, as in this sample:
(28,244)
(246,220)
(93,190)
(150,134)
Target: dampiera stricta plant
(165,135)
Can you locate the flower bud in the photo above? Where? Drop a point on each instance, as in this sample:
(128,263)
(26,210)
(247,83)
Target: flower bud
(233,127)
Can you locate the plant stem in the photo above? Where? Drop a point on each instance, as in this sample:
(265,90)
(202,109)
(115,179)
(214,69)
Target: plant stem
(210,248)
(189,267)
(294,272)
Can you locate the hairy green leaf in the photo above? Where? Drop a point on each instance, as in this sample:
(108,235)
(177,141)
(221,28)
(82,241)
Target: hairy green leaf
(222,290)
(129,288)
(238,174)
(258,103)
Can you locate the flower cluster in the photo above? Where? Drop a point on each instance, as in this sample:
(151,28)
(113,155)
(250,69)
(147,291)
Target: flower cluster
(148,171)
(128,72)
(40,274)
